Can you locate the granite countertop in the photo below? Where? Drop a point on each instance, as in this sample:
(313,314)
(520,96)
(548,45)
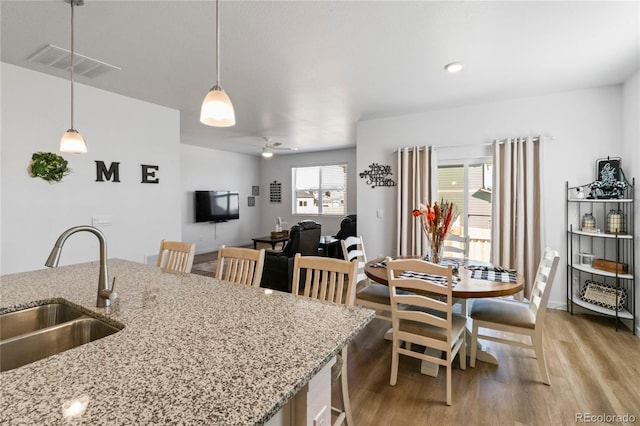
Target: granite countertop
(193,350)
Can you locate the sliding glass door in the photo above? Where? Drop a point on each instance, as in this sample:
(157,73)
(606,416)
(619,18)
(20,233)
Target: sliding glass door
(469,187)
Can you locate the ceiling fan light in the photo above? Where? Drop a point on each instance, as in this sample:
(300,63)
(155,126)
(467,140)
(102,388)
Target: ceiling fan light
(73,142)
(267,153)
(217,109)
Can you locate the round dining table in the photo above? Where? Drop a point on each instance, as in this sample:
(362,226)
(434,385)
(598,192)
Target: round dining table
(465,288)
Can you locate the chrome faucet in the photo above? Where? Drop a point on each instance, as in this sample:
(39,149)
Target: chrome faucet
(105,289)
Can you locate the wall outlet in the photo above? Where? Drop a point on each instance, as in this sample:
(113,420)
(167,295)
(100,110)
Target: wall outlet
(380,214)
(103,220)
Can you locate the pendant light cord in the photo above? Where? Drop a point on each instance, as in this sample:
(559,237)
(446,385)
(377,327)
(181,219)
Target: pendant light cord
(72,62)
(217,43)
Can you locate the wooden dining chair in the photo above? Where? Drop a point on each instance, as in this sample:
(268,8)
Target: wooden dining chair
(176,256)
(240,265)
(353,249)
(517,317)
(368,294)
(421,311)
(456,246)
(332,280)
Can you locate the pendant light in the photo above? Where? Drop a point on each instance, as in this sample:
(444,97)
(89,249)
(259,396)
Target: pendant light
(72,141)
(217,109)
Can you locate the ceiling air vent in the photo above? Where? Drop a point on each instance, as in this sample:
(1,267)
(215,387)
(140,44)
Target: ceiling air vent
(57,57)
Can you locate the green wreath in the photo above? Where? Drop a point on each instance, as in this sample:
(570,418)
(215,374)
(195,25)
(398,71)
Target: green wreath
(48,166)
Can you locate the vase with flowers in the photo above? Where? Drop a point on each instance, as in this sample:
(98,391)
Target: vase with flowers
(436,222)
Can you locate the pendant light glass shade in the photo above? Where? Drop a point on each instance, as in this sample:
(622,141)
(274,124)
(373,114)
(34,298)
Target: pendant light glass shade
(217,109)
(73,142)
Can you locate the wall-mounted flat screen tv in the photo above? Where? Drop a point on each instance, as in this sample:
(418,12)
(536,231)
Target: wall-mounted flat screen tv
(217,206)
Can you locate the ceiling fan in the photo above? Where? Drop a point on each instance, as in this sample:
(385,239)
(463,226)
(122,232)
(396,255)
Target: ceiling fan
(271,147)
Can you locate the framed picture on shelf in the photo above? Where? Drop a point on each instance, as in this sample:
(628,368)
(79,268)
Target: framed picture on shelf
(610,181)
(609,170)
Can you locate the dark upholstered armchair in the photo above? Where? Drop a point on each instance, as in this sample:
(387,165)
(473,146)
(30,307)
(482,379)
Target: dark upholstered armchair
(347,229)
(304,238)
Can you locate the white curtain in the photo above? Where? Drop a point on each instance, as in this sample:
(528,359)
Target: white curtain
(517,209)
(418,183)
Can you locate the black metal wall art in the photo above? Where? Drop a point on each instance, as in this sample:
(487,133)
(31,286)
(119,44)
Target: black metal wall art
(377,175)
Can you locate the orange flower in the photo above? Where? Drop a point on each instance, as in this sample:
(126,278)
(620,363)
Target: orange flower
(416,213)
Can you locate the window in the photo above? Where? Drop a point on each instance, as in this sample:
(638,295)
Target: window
(319,190)
(469,187)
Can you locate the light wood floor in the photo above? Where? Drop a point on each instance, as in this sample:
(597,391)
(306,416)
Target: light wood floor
(593,369)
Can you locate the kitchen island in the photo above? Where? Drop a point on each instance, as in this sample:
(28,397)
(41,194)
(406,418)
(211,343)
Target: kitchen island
(192,350)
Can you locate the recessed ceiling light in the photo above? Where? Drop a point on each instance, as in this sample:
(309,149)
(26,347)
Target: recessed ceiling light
(453,67)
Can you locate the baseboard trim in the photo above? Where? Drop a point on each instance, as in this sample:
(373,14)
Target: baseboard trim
(626,322)
(213,250)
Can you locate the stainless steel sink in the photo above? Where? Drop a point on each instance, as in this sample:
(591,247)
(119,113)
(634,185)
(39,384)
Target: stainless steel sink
(32,319)
(47,330)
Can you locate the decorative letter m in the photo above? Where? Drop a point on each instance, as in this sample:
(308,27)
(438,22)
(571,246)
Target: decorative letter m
(103,173)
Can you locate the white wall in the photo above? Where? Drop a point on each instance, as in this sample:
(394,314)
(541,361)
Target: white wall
(585,125)
(278,168)
(35,114)
(210,169)
(631,157)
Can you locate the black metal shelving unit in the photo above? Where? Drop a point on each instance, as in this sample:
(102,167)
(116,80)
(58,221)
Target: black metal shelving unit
(613,246)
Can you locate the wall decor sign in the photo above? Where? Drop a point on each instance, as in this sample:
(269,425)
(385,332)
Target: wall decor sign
(275,192)
(255,190)
(377,175)
(251,201)
(112,173)
(603,295)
